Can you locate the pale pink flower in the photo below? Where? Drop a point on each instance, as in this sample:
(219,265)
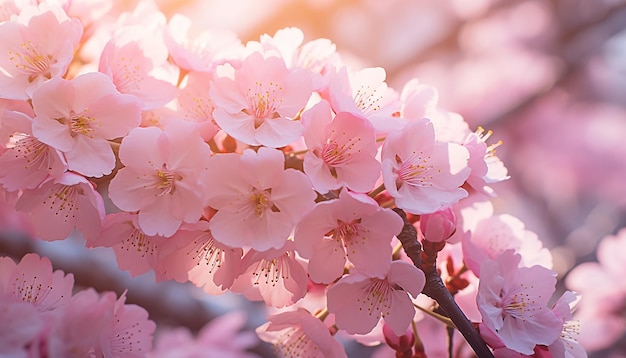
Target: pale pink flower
(365,94)
(135,60)
(359,301)
(513,303)
(567,344)
(342,150)
(130,334)
(496,234)
(162,177)
(256,103)
(317,56)
(258,201)
(418,100)
(70,336)
(77,117)
(600,311)
(221,337)
(32,281)
(423,175)
(352,227)
(36,46)
(200,51)
(299,334)
(61,204)
(135,251)
(273,275)
(21,324)
(486,167)
(195,106)
(27,162)
(192,254)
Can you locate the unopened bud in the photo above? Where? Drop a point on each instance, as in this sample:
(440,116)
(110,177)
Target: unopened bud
(403,343)
(438,226)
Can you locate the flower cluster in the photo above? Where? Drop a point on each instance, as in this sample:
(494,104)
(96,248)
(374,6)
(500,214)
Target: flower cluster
(41,318)
(268,168)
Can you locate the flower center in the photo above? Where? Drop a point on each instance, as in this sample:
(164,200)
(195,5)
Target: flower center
(31,62)
(295,343)
(165,180)
(376,297)
(264,101)
(260,200)
(414,171)
(272,271)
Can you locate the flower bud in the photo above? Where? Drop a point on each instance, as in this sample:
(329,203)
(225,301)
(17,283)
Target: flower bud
(403,343)
(438,226)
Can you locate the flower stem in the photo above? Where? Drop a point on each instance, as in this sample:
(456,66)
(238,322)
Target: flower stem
(435,288)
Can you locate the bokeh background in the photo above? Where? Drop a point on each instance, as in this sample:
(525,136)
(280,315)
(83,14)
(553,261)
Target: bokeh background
(548,77)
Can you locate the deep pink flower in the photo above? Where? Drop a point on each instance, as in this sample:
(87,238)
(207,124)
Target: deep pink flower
(438,226)
(353,226)
(299,334)
(423,175)
(342,150)
(32,281)
(62,204)
(162,177)
(513,303)
(274,275)
(77,117)
(359,301)
(258,201)
(257,102)
(36,46)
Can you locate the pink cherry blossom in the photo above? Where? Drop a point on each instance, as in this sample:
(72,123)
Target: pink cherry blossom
(77,117)
(274,275)
(513,303)
(256,103)
(341,152)
(162,177)
(567,344)
(221,337)
(486,167)
(130,335)
(418,100)
(299,334)
(36,46)
(200,51)
(27,162)
(423,175)
(195,106)
(258,201)
(192,254)
(365,94)
(496,234)
(135,251)
(32,281)
(62,204)
(69,335)
(135,60)
(359,301)
(353,226)
(600,310)
(21,324)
